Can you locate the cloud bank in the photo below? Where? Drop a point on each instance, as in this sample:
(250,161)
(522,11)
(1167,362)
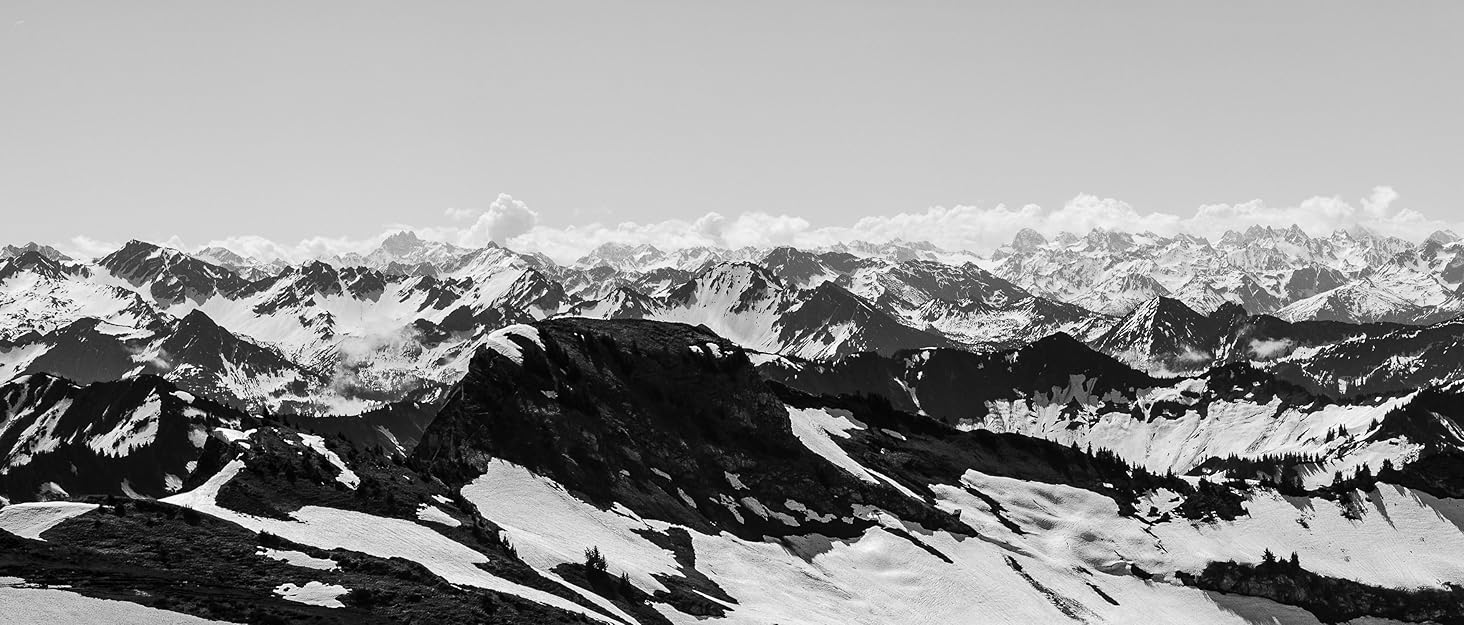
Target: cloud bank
(511,222)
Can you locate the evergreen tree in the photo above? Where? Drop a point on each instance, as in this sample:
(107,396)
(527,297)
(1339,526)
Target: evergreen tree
(594,560)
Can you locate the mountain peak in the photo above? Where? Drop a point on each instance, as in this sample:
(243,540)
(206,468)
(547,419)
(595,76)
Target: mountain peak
(1111,240)
(401,242)
(1028,239)
(623,256)
(222,256)
(52,253)
(1258,232)
(1443,236)
(1162,334)
(36,262)
(737,277)
(1162,305)
(135,245)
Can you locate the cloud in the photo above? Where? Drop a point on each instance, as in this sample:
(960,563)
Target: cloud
(505,219)
(975,228)
(1319,216)
(459,214)
(85,248)
(962,227)
(1268,349)
(978,228)
(267,250)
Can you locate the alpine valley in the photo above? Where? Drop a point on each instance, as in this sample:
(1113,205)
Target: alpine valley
(1107,427)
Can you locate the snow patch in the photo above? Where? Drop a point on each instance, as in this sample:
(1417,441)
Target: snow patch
(298,558)
(313,593)
(817,427)
(332,528)
(499,341)
(548,526)
(346,476)
(434,514)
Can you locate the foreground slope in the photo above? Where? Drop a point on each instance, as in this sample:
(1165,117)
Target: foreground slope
(577,435)
(571,476)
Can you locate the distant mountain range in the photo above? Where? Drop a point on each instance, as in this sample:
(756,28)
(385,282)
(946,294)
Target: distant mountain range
(352,333)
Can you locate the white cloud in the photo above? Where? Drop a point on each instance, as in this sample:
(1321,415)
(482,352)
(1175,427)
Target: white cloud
(963,227)
(1319,216)
(504,219)
(267,250)
(1268,349)
(86,248)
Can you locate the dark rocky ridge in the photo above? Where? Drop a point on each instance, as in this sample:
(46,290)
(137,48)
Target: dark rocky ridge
(171,276)
(950,385)
(603,399)
(104,438)
(629,411)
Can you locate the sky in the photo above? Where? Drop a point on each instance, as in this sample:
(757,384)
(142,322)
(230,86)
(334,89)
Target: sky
(294,128)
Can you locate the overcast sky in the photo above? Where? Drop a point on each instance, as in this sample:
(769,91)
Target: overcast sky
(789,120)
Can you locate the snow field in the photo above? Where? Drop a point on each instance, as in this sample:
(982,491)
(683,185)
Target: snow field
(331,528)
(1406,539)
(548,526)
(879,577)
(1242,428)
(21,604)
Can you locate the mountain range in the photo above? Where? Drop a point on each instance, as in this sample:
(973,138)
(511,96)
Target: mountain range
(1099,428)
(350,333)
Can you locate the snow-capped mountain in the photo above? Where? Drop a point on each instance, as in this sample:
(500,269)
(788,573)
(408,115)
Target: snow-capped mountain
(623,257)
(39,295)
(333,336)
(749,305)
(11,251)
(406,253)
(169,276)
(1263,269)
(1360,301)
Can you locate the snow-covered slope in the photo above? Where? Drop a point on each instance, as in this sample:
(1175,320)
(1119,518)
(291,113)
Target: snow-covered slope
(1360,301)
